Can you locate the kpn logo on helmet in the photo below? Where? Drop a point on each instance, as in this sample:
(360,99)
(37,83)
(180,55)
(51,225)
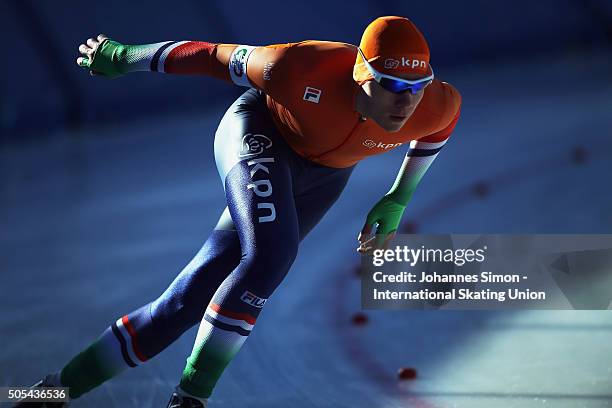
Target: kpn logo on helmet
(404,62)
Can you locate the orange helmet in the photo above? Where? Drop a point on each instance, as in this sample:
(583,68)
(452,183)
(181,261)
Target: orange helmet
(392,45)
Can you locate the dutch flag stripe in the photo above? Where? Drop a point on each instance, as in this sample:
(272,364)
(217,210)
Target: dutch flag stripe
(233,315)
(165,52)
(124,332)
(234,322)
(227,327)
(424,149)
(423,152)
(134,338)
(160,50)
(415,144)
(124,348)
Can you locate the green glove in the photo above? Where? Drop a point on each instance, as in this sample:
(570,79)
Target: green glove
(387,213)
(108,59)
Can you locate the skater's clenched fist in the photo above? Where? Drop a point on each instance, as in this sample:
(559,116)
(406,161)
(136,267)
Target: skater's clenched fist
(88,51)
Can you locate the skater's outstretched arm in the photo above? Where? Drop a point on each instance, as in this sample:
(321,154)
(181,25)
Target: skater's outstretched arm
(109,58)
(387,212)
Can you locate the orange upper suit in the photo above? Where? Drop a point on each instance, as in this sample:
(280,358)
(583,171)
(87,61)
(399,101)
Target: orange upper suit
(311,96)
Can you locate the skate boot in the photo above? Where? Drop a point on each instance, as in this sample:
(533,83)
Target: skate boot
(49,381)
(181,399)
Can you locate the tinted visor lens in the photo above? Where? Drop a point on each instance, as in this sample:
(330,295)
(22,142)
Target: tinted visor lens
(395,86)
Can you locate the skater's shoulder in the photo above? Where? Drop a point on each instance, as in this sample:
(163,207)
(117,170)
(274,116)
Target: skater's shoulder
(441,103)
(442,97)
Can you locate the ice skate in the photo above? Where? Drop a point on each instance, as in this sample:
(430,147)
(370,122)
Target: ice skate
(180,399)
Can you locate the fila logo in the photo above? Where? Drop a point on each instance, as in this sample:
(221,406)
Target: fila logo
(252,299)
(312,94)
(372,144)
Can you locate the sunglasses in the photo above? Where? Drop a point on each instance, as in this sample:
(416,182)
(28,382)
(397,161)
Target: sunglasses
(395,84)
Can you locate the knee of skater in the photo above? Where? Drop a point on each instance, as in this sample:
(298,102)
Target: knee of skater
(183,312)
(274,256)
